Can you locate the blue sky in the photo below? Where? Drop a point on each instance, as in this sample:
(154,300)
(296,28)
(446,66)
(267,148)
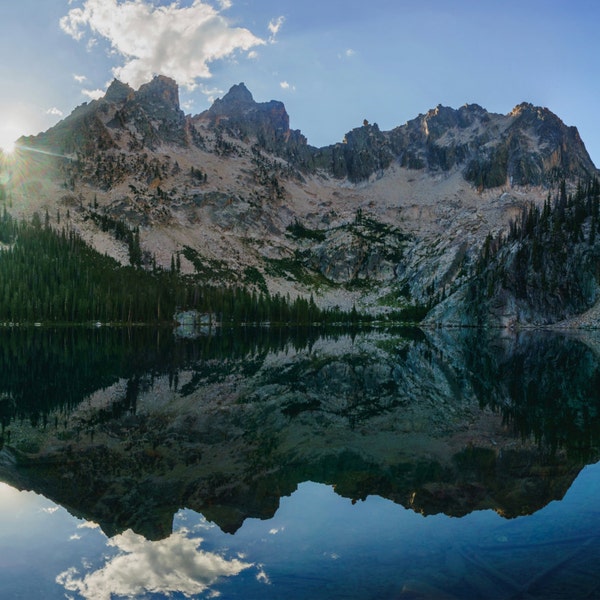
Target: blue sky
(332,62)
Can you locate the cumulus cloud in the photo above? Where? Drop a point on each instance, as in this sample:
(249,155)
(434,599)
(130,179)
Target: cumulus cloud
(55,112)
(165,567)
(79,78)
(178,41)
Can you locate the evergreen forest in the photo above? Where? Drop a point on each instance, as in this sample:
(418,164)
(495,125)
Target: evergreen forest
(53,276)
(549,261)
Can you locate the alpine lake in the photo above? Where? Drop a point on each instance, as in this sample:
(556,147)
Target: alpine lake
(299,464)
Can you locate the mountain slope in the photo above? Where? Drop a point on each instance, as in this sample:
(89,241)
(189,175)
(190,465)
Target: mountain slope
(385,220)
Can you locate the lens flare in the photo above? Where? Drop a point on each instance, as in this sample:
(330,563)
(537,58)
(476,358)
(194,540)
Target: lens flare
(9,133)
(29,176)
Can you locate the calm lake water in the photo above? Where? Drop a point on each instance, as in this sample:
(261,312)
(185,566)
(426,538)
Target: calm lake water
(299,464)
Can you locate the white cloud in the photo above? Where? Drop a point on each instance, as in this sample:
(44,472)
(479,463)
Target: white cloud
(285,85)
(188,105)
(79,78)
(93,94)
(212,93)
(88,525)
(174,564)
(274,27)
(253,54)
(263,577)
(55,112)
(178,41)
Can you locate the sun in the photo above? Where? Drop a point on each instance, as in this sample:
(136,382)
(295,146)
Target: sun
(10,132)
(8,147)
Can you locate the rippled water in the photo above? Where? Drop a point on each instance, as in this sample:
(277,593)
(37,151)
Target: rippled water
(298,464)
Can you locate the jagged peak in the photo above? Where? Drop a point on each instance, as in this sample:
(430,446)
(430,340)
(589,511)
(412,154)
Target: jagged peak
(472,107)
(447,111)
(161,88)
(529,109)
(118,91)
(237,100)
(239,93)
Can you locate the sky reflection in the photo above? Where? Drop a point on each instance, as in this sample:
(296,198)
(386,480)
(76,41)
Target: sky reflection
(175,564)
(317,545)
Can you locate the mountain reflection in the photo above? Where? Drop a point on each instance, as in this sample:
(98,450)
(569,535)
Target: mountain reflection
(124,427)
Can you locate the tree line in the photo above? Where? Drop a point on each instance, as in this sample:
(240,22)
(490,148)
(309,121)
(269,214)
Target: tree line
(550,257)
(48,275)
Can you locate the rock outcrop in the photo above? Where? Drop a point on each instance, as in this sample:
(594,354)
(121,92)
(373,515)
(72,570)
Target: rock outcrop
(267,123)
(529,146)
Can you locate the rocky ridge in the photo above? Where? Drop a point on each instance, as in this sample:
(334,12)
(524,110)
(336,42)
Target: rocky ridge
(384,220)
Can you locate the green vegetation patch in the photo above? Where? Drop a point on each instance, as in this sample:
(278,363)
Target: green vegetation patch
(252,276)
(390,239)
(396,298)
(300,232)
(209,268)
(293,270)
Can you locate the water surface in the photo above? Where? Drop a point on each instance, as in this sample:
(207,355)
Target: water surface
(298,464)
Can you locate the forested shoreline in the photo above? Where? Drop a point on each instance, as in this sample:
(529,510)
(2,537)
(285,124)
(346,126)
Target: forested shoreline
(47,275)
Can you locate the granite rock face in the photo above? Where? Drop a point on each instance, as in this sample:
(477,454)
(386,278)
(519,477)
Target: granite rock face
(266,122)
(529,146)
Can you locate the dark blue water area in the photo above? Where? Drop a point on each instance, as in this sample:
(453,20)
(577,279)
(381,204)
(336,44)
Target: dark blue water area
(318,545)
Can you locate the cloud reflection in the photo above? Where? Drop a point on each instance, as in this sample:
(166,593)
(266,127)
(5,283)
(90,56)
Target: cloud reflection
(174,564)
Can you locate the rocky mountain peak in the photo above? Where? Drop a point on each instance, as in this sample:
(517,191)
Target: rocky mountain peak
(237,95)
(267,122)
(161,92)
(528,146)
(441,120)
(118,92)
(523,107)
(239,108)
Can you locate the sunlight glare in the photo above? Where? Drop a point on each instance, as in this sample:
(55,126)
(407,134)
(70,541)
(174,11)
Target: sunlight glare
(10,132)
(8,147)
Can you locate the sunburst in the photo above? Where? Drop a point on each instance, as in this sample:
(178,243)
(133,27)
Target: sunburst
(10,131)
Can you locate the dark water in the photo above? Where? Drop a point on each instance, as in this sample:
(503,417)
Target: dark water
(298,464)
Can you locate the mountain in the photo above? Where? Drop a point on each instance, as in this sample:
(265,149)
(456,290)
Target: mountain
(388,221)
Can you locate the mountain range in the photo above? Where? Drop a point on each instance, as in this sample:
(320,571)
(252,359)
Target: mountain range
(460,215)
